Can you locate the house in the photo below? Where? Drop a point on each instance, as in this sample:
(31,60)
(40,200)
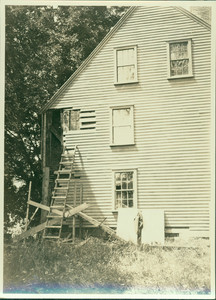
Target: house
(139,112)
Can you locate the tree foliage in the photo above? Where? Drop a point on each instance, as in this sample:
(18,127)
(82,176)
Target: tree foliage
(44,46)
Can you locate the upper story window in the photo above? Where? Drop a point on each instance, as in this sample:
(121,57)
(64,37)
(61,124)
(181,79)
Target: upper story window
(126,65)
(76,120)
(122,127)
(179,59)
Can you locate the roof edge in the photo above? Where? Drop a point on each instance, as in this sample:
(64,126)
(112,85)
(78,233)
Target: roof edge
(193,16)
(104,40)
(88,59)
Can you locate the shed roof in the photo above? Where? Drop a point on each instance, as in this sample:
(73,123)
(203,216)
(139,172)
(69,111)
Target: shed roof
(105,40)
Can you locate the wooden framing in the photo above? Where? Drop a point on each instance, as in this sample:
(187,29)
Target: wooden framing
(72,211)
(27,212)
(40,227)
(45,191)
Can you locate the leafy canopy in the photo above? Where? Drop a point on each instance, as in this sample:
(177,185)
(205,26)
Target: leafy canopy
(44,46)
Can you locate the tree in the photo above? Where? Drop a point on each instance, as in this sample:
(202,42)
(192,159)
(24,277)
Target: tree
(44,46)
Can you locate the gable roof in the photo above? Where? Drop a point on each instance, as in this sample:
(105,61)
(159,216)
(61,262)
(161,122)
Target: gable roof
(106,39)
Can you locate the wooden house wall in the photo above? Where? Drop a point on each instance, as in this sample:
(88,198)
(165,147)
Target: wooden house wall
(171,122)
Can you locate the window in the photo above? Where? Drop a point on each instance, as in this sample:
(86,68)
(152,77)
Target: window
(125,194)
(126,65)
(78,120)
(122,129)
(180,59)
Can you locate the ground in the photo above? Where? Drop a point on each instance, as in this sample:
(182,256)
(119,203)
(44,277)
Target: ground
(107,266)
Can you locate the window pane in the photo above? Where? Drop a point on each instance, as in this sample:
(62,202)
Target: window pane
(118,195)
(122,135)
(125,57)
(130,185)
(121,117)
(179,67)
(124,176)
(118,176)
(130,176)
(124,203)
(118,185)
(130,195)
(118,204)
(126,74)
(179,50)
(124,195)
(130,203)
(185,68)
(124,185)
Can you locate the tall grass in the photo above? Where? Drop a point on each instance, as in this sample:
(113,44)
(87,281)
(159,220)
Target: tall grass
(105,266)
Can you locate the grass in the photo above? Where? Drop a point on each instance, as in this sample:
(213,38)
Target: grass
(111,266)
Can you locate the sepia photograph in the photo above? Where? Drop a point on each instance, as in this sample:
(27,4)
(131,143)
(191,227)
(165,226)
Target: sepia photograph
(109,149)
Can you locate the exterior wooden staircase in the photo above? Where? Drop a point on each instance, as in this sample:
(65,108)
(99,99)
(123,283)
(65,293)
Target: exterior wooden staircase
(59,196)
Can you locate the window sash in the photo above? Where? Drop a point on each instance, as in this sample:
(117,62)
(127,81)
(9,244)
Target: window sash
(122,128)
(124,189)
(126,64)
(179,58)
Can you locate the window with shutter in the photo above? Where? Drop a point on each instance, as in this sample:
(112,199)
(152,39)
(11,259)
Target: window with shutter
(78,120)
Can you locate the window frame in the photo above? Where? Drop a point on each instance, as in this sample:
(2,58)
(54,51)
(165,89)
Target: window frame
(116,82)
(131,107)
(114,171)
(190,65)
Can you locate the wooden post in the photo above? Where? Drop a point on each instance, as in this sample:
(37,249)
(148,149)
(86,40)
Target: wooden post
(80,219)
(44,140)
(45,192)
(32,217)
(74,219)
(27,211)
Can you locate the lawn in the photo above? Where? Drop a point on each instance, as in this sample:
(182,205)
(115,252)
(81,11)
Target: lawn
(106,266)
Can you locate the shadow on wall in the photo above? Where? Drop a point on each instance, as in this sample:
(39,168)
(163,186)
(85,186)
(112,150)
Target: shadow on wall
(81,191)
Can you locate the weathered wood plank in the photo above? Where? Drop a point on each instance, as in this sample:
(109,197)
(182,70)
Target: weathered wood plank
(27,212)
(45,191)
(39,205)
(55,133)
(97,223)
(40,227)
(75,210)
(32,231)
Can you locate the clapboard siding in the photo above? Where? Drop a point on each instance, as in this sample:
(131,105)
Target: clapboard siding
(171,122)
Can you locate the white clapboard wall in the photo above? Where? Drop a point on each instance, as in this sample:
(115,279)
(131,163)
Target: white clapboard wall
(171,122)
